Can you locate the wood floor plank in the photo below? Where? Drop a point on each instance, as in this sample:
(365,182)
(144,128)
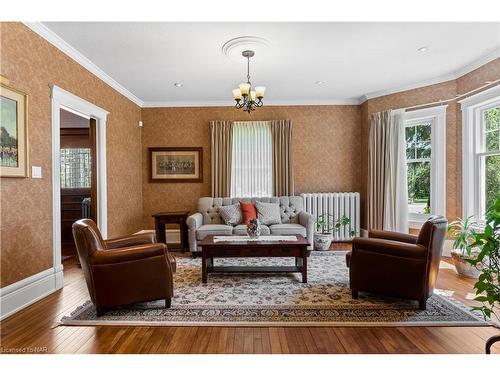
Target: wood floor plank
(36,326)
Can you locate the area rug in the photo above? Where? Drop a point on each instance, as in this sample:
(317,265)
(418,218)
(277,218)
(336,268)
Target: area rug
(278,300)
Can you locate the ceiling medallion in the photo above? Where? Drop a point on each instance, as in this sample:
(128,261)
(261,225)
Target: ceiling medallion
(234,47)
(244,96)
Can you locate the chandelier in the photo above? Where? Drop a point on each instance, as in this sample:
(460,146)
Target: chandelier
(245,96)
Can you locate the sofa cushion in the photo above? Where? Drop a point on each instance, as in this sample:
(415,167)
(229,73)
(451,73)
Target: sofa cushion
(231,214)
(241,230)
(248,212)
(286,229)
(215,229)
(268,213)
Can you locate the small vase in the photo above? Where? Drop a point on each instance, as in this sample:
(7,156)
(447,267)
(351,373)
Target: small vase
(253,228)
(322,241)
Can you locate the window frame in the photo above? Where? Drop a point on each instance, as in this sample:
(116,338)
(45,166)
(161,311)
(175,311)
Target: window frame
(437,160)
(473,149)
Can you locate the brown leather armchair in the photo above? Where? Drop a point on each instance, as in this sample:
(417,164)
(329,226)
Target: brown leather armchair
(397,264)
(123,270)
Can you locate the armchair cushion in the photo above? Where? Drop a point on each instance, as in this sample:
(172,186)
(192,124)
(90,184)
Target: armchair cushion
(387,247)
(127,254)
(393,236)
(138,239)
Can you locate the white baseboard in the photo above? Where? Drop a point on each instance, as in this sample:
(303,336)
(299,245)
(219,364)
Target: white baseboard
(23,293)
(172,235)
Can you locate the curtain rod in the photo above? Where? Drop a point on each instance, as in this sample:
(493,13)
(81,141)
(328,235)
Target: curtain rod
(460,96)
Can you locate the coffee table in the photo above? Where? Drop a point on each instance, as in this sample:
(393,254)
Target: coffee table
(252,249)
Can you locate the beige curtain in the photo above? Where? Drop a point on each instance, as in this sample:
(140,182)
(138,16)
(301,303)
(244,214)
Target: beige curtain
(221,151)
(387,190)
(282,158)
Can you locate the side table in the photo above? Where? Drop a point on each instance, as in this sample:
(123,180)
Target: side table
(173,217)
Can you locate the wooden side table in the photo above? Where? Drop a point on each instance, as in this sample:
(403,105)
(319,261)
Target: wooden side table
(173,217)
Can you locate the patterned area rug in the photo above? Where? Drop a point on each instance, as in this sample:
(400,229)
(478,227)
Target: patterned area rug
(277,299)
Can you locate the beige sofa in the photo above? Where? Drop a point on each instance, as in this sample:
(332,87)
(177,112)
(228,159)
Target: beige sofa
(207,221)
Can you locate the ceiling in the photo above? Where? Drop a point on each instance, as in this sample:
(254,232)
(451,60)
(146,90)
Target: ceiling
(353,60)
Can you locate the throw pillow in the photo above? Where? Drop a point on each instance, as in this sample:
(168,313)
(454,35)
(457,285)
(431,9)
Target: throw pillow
(268,213)
(248,211)
(230,214)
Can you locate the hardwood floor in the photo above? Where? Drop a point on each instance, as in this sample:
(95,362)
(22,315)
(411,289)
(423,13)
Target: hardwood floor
(35,329)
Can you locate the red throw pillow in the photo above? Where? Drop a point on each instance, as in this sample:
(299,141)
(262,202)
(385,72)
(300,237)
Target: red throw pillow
(248,212)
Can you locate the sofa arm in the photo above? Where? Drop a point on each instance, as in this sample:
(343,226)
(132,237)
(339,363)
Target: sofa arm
(307,220)
(387,247)
(138,239)
(194,221)
(393,236)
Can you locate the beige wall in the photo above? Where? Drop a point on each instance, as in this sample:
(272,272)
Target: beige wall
(326,148)
(32,65)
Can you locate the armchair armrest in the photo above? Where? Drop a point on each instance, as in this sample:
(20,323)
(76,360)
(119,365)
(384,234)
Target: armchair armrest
(388,247)
(127,254)
(393,236)
(194,221)
(138,239)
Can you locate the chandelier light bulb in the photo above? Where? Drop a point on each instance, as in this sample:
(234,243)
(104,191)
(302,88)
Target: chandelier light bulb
(253,96)
(237,94)
(244,88)
(260,90)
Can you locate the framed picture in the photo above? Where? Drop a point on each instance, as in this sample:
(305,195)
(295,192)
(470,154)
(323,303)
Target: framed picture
(176,164)
(13,132)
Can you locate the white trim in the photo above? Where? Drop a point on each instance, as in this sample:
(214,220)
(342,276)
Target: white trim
(438,161)
(432,81)
(63,46)
(267,103)
(470,129)
(15,297)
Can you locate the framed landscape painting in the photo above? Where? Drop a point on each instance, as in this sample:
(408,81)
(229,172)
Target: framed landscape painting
(13,133)
(176,164)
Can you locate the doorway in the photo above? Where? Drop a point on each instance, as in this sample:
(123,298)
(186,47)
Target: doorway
(78,170)
(78,175)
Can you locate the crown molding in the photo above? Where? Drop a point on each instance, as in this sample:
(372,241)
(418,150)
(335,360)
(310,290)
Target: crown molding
(444,78)
(227,103)
(63,46)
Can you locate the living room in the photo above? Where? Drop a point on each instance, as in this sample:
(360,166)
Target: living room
(158,178)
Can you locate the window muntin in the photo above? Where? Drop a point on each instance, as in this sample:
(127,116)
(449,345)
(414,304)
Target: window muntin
(76,168)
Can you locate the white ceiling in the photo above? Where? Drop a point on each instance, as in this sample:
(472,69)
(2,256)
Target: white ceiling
(352,59)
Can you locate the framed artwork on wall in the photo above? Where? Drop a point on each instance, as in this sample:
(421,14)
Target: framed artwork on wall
(13,132)
(175,164)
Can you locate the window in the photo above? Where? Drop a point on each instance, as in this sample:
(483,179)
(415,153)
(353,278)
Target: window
(481,152)
(76,167)
(251,166)
(425,163)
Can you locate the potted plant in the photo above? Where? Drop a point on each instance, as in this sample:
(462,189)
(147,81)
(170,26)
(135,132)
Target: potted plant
(487,287)
(463,231)
(324,230)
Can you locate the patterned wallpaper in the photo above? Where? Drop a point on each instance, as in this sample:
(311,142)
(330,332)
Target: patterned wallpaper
(326,148)
(32,65)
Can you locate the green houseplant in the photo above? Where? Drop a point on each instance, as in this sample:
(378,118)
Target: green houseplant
(325,227)
(487,287)
(463,231)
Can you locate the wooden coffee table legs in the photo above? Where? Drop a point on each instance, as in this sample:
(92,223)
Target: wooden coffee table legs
(207,266)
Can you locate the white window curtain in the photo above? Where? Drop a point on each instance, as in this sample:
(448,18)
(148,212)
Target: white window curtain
(252,162)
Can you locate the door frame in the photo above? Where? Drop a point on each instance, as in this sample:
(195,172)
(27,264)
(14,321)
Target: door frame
(62,99)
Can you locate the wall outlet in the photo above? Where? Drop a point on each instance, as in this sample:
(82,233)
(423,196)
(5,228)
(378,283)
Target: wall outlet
(36,172)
